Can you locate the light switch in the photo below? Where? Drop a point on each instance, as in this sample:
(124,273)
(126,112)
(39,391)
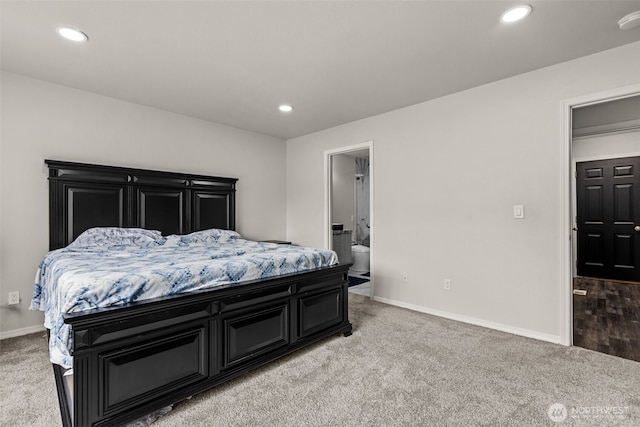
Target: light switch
(518,211)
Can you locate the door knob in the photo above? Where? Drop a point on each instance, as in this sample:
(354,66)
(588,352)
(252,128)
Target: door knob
(637,228)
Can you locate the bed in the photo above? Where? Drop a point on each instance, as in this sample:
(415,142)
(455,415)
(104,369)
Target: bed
(150,296)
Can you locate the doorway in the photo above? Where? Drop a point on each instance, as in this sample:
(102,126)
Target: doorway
(605,158)
(349,213)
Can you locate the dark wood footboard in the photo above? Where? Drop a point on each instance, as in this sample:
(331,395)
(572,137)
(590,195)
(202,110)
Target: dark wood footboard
(133,360)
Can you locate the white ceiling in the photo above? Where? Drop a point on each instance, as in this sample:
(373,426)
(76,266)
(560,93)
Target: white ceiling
(336,61)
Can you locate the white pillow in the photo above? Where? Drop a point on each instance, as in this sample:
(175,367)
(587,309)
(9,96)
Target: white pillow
(115,236)
(213,235)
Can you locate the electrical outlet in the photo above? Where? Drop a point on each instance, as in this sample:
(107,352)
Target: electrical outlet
(14,298)
(405,278)
(447,284)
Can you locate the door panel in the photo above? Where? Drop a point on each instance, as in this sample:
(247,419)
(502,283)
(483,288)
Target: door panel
(594,253)
(608,202)
(623,204)
(623,253)
(594,205)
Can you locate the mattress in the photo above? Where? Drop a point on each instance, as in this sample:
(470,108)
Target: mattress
(107,267)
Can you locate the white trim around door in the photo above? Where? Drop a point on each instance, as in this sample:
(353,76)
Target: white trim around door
(565,293)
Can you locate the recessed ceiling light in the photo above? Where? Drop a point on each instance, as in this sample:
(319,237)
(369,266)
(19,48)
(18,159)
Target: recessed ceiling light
(286,108)
(72,34)
(516,13)
(630,21)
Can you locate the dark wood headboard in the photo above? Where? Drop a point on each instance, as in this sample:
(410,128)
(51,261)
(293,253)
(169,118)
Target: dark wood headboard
(82,196)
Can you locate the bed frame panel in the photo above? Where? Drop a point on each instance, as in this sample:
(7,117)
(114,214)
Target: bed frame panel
(132,360)
(82,196)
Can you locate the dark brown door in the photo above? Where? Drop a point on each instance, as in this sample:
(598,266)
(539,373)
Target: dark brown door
(608,218)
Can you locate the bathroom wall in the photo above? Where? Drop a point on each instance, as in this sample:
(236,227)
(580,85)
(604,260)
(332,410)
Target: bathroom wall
(342,195)
(362,201)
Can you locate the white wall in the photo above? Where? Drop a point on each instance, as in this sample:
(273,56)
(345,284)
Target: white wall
(447,173)
(45,121)
(343,171)
(619,144)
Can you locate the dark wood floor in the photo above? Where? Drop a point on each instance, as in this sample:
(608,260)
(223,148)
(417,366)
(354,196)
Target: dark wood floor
(607,318)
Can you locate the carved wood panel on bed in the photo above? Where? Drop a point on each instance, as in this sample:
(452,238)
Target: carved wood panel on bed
(83,196)
(131,360)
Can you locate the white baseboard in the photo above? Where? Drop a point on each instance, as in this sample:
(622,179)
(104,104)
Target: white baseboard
(472,320)
(21,331)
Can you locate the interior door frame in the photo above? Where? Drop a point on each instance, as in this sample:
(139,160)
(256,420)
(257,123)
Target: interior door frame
(328,155)
(568,195)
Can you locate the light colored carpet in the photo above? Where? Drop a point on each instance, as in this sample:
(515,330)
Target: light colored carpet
(398,368)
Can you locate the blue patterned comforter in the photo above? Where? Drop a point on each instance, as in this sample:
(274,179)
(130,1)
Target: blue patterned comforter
(111,267)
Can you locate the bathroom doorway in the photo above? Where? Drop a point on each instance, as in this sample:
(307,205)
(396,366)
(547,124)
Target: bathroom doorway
(349,212)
